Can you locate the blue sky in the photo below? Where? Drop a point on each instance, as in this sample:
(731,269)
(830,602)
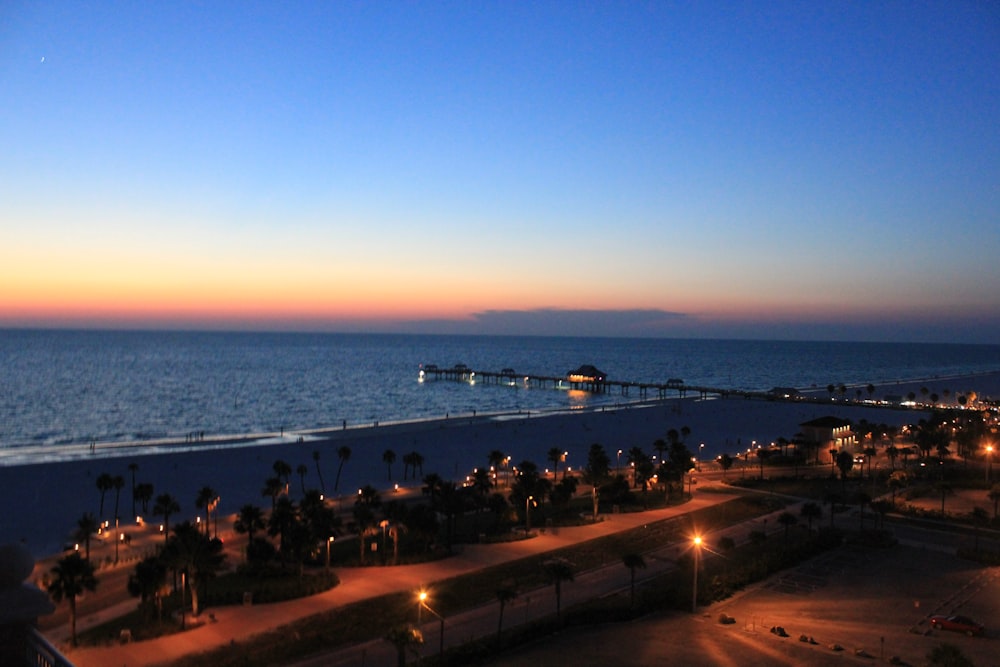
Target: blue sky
(762,170)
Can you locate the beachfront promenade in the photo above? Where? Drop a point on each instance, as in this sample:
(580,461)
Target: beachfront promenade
(238,623)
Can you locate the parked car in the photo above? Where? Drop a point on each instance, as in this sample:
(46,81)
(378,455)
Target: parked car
(956,624)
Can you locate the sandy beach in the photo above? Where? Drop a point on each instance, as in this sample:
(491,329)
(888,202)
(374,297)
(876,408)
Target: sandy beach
(50,497)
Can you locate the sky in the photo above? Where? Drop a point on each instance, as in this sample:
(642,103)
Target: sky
(776,170)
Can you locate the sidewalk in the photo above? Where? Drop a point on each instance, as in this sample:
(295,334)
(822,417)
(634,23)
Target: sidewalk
(236,624)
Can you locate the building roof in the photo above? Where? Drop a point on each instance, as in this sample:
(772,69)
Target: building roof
(827,422)
(588,371)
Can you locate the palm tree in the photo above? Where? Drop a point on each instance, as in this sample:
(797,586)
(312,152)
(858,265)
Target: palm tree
(283,470)
(195,555)
(725,462)
(496,459)
(558,570)
(166,505)
(249,520)
(633,561)
(395,530)
(892,453)
(149,583)
(272,489)
(204,501)
(117,483)
(555,455)
(787,519)
(132,468)
(832,498)
(144,493)
(71,576)
(404,638)
(762,455)
(417,464)
(105,483)
(86,526)
(343,453)
(505,594)
(302,469)
(845,462)
(596,473)
(811,511)
(388,458)
(322,486)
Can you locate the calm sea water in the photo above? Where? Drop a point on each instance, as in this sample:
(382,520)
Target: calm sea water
(61,388)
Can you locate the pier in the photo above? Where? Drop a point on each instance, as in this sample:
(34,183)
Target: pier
(575,380)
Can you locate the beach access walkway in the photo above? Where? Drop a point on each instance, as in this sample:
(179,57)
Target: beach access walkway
(234,624)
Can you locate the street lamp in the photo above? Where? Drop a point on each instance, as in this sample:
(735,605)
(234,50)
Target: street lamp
(422,598)
(528,502)
(618,468)
(989,463)
(329,541)
(382,524)
(701,447)
(694,591)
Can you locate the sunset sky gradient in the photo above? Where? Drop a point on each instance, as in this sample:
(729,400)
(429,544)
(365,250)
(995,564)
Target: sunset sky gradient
(789,170)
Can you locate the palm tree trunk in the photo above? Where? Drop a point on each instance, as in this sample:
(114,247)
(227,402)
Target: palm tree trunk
(72,619)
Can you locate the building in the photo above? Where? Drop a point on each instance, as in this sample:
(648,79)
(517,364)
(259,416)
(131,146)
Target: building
(829,432)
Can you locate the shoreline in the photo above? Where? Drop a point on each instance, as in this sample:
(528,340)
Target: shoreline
(51,496)
(22,455)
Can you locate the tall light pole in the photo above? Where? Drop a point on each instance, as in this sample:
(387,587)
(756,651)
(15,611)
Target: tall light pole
(618,468)
(423,604)
(382,524)
(528,502)
(694,587)
(329,541)
(989,463)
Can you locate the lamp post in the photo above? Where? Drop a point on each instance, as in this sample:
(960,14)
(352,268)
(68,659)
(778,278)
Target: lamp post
(423,604)
(989,463)
(528,502)
(701,447)
(382,524)
(618,468)
(329,541)
(694,587)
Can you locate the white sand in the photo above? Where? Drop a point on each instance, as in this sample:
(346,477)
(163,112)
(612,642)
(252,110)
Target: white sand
(49,498)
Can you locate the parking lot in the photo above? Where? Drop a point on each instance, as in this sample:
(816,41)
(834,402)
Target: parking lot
(852,606)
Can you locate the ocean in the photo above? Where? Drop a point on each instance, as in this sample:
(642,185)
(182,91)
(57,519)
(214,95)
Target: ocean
(62,388)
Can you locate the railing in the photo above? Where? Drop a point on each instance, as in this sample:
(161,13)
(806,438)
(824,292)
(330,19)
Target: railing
(39,652)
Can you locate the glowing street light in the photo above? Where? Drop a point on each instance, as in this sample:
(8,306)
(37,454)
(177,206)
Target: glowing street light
(422,603)
(329,541)
(989,463)
(528,503)
(694,592)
